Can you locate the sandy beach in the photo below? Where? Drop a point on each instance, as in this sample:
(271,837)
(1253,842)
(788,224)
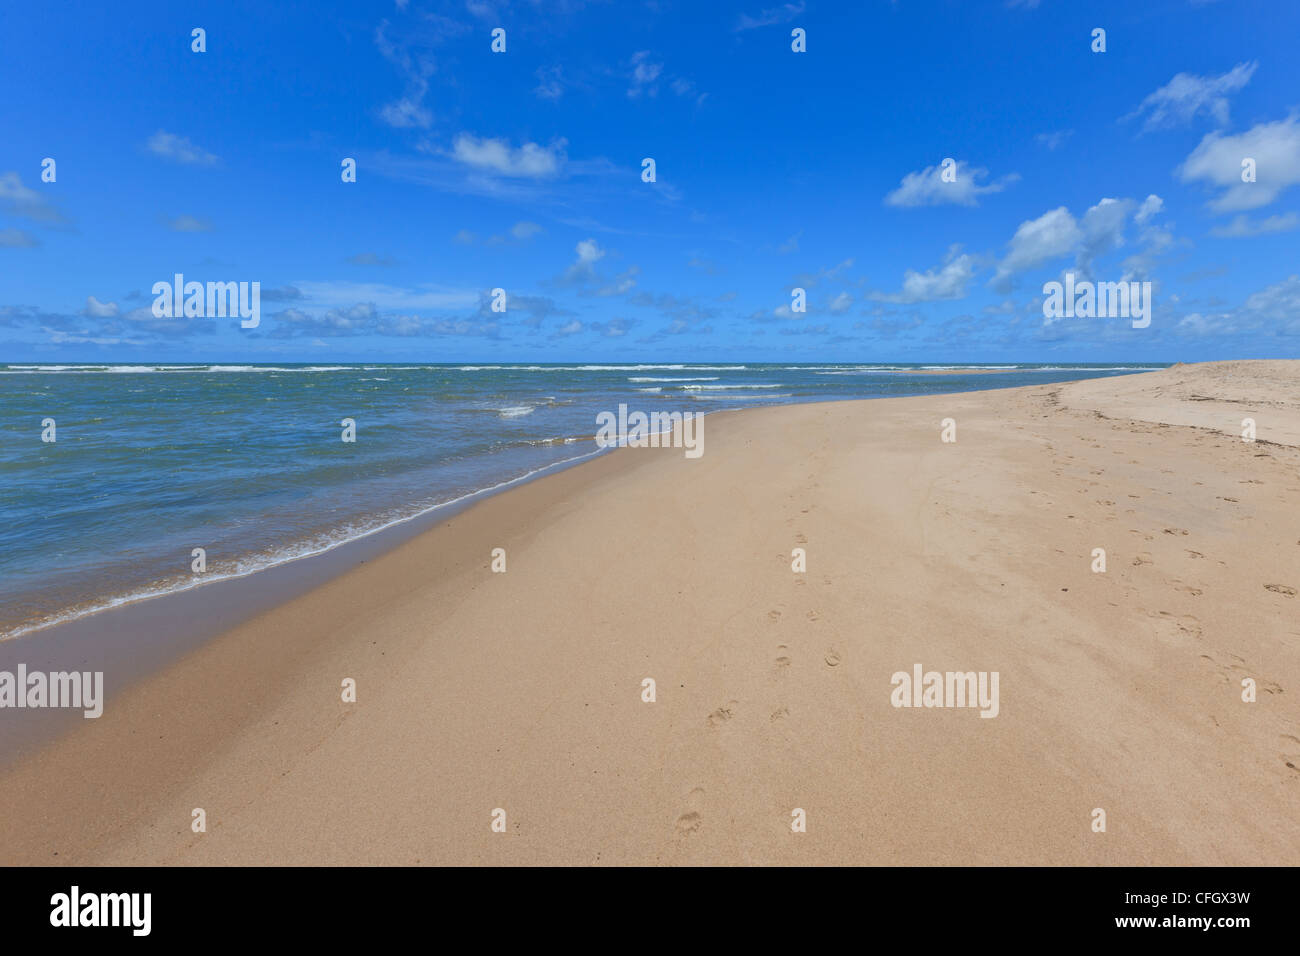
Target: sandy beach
(478,690)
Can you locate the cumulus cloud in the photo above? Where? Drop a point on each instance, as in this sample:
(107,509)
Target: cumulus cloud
(927,188)
(583,268)
(1275,147)
(948,281)
(1052,235)
(1102,230)
(1182,98)
(529,161)
(99,310)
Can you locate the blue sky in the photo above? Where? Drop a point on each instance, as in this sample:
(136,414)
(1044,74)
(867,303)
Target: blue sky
(775,170)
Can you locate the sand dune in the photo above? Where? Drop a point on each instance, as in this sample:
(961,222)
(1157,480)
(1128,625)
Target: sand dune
(523,690)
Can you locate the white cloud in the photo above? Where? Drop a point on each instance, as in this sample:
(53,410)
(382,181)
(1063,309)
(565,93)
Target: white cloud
(623,283)
(1179,100)
(1275,310)
(782,14)
(529,161)
(948,281)
(927,188)
(525,230)
(840,304)
(179,149)
(1275,147)
(99,310)
(589,253)
(645,73)
(1102,229)
(1050,236)
(1280,301)
(1152,205)
(409,112)
(1054,140)
(18,200)
(1242,227)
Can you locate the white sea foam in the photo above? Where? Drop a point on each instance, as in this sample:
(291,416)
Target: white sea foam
(692,388)
(696,378)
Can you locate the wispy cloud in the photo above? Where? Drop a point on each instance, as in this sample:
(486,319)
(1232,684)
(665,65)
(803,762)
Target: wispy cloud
(928,188)
(189,224)
(1242,227)
(1182,98)
(179,149)
(771,17)
(18,200)
(1054,140)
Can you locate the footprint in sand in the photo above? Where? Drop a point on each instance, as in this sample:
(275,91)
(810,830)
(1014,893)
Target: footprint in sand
(774,616)
(1226,668)
(1280,589)
(1195,554)
(813,616)
(782,658)
(722,714)
(781,713)
(1142,558)
(832,658)
(690,821)
(1175,531)
(1177,630)
(800,539)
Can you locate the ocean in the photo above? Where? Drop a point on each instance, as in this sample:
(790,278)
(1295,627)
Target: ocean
(246,461)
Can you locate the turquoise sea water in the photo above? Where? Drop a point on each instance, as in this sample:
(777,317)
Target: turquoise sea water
(246,461)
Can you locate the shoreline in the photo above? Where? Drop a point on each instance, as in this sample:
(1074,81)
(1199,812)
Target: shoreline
(111,601)
(444,668)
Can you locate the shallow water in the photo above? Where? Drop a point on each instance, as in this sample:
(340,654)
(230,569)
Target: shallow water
(247,462)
